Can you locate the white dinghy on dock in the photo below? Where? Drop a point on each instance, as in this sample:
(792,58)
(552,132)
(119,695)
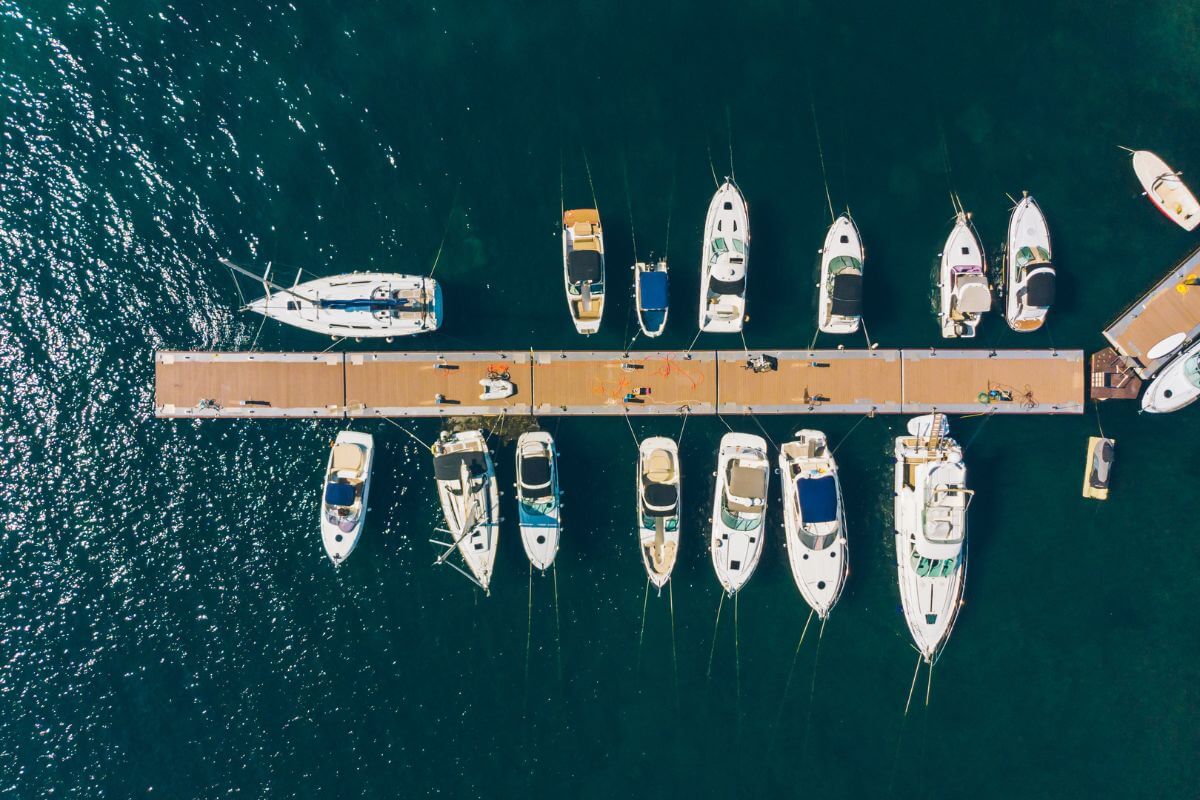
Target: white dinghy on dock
(723,261)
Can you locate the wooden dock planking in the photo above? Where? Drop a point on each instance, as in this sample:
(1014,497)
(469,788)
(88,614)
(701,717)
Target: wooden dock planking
(1171,306)
(408,384)
(958,381)
(249,384)
(816,381)
(600,383)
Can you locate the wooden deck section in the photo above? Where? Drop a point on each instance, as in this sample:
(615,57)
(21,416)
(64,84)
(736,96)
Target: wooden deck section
(812,381)
(1171,306)
(611,383)
(994,381)
(249,385)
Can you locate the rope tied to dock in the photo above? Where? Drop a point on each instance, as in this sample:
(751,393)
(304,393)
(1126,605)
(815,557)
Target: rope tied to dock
(410,433)
(870,413)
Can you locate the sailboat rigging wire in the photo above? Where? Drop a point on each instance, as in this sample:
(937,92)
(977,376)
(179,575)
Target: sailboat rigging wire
(446,230)
(716,626)
(821,156)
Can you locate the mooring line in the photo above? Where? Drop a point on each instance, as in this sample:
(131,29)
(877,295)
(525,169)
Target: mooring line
(788,684)
(587,166)
(259,331)
(913,685)
(754,419)
(813,343)
(729,137)
(529,626)
(713,651)
(713,168)
(737,662)
(410,433)
(336,341)
(863,322)
(642,632)
(446,231)
(695,339)
(629,202)
(852,427)
(821,154)
(929,686)
(557,627)
(1096,405)
(670,208)
(636,442)
(674,657)
(687,412)
(562,191)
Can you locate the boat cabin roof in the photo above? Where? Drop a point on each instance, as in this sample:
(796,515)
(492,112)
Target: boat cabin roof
(846,295)
(535,472)
(818,498)
(1039,289)
(448,467)
(971,291)
(339,494)
(347,457)
(747,486)
(660,499)
(584,265)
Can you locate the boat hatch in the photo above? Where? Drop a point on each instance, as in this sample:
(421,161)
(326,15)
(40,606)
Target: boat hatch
(1039,289)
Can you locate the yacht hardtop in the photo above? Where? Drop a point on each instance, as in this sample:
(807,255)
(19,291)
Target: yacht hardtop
(839,301)
(814,520)
(658,483)
(344,496)
(583,268)
(1029,276)
(723,261)
(739,507)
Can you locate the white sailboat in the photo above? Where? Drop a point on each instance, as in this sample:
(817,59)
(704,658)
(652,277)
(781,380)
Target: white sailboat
(814,520)
(583,268)
(538,498)
(723,261)
(466,484)
(839,302)
(1176,386)
(658,485)
(366,305)
(962,284)
(344,496)
(650,295)
(1166,189)
(931,501)
(739,507)
(1029,276)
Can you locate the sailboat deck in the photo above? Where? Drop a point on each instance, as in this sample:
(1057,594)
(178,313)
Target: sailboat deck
(383,384)
(1170,307)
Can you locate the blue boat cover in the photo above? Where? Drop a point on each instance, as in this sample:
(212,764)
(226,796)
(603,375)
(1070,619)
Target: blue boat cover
(818,499)
(654,290)
(364,304)
(339,494)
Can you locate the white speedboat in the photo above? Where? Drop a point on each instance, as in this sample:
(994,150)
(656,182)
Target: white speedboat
(839,303)
(344,497)
(1166,189)
(739,507)
(583,267)
(931,500)
(658,507)
(537,497)
(466,484)
(1177,385)
(362,305)
(1029,277)
(650,295)
(814,520)
(723,261)
(962,284)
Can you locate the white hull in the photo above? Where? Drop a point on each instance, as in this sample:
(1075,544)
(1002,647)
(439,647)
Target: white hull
(931,561)
(472,513)
(739,509)
(961,282)
(842,242)
(817,548)
(1027,260)
(348,470)
(658,485)
(359,304)
(1166,190)
(538,503)
(583,268)
(1176,386)
(724,259)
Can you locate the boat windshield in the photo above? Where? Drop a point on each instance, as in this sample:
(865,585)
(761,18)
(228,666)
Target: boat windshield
(719,248)
(739,246)
(1032,255)
(738,521)
(817,542)
(933,567)
(541,506)
(670,524)
(1191,370)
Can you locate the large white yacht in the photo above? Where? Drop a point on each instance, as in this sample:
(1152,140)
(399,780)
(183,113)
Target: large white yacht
(344,496)
(814,520)
(723,261)
(466,484)
(931,501)
(739,508)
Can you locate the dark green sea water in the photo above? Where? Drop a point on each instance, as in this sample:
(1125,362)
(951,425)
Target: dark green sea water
(170,625)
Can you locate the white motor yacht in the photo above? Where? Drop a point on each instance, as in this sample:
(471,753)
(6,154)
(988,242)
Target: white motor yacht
(739,508)
(723,261)
(839,301)
(538,498)
(583,268)
(962,284)
(814,520)
(1029,277)
(344,497)
(658,507)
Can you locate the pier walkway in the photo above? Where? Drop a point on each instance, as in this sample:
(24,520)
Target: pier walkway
(549,383)
(1169,308)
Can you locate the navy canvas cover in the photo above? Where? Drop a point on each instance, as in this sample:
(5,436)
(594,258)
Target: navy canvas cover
(339,494)
(654,289)
(818,499)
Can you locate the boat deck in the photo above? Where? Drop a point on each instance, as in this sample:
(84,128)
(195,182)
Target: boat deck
(549,383)
(1170,307)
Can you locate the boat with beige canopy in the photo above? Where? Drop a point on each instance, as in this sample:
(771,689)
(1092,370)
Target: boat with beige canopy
(658,507)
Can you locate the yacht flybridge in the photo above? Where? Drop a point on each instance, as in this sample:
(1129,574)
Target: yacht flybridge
(466,484)
(357,304)
(739,507)
(583,267)
(962,284)
(723,261)
(1166,189)
(658,507)
(537,497)
(839,301)
(931,500)
(814,520)
(1029,276)
(344,496)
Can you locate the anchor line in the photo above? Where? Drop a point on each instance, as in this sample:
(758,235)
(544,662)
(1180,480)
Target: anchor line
(674,657)
(716,625)
(446,231)
(587,166)
(529,627)
(557,626)
(729,138)
(821,155)
(670,208)
(788,684)
(628,203)
(711,166)
(642,632)
(914,684)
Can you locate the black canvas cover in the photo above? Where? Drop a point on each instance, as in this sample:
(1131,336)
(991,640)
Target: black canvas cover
(727,287)
(447,467)
(583,265)
(846,297)
(535,472)
(660,495)
(1039,289)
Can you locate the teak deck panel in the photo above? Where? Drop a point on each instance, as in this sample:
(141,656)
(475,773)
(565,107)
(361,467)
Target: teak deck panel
(954,381)
(610,383)
(811,381)
(1168,308)
(249,384)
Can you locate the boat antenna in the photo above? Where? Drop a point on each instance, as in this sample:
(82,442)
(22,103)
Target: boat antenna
(821,155)
(267,283)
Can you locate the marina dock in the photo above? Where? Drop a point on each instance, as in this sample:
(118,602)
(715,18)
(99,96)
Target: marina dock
(1169,308)
(573,383)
